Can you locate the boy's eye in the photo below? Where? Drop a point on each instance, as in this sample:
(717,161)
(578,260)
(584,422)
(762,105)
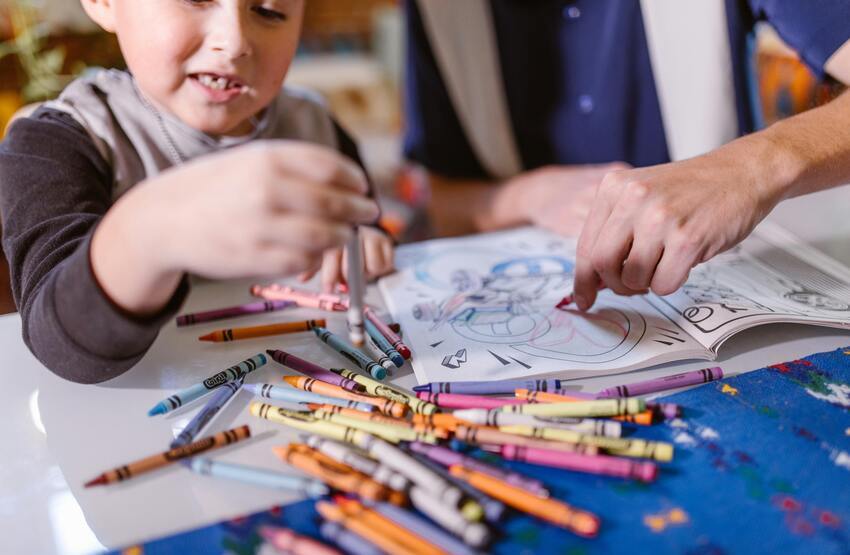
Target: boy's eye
(270,14)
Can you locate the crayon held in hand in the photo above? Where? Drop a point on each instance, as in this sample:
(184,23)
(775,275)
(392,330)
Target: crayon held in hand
(252,332)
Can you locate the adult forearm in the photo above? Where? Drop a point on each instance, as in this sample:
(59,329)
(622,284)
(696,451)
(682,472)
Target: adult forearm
(463,206)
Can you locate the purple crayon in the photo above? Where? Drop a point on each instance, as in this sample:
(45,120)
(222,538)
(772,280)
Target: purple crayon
(503,387)
(232,312)
(313,370)
(662,384)
(448,457)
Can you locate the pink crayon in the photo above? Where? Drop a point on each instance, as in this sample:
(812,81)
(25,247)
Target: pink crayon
(232,312)
(303,297)
(314,370)
(285,540)
(662,384)
(391,336)
(643,471)
(459,401)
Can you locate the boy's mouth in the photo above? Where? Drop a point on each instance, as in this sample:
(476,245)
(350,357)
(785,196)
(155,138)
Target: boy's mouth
(219,85)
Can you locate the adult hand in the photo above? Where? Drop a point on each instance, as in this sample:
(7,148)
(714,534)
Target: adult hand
(650,226)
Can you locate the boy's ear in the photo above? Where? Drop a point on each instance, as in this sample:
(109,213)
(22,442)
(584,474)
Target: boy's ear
(102,12)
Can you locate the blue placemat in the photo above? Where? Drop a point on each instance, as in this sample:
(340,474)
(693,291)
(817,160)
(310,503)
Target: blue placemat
(762,465)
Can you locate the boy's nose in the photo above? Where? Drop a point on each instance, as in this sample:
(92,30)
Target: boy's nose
(230,36)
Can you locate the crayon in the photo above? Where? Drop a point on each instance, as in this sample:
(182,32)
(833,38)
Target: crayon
(384,344)
(410,540)
(441,433)
(287,541)
(405,464)
(251,332)
(444,420)
(448,457)
(492,510)
(313,370)
(350,352)
(300,420)
(578,521)
(334,513)
(395,327)
(294,395)
(268,479)
(631,447)
(353,458)
(645,418)
(372,349)
(354,256)
(302,297)
(384,405)
(589,426)
(336,474)
(497,387)
(417,405)
(385,330)
(386,431)
(217,401)
(475,534)
(232,312)
(511,436)
(198,390)
(655,385)
(666,410)
(347,541)
(643,471)
(457,401)
(421,527)
(154,462)
(582,409)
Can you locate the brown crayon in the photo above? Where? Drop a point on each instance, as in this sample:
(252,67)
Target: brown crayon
(232,334)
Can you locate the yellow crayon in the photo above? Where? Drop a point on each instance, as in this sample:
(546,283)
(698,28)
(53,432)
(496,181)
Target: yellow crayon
(599,408)
(374,387)
(439,432)
(305,421)
(644,418)
(384,405)
(640,448)
(385,431)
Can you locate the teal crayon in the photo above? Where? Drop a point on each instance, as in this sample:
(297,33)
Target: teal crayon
(217,401)
(384,344)
(290,394)
(258,477)
(199,390)
(350,352)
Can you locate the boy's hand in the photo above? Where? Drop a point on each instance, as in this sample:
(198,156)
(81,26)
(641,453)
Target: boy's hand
(378,255)
(263,209)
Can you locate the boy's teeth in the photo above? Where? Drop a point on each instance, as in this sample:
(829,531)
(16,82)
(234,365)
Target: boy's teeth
(216,83)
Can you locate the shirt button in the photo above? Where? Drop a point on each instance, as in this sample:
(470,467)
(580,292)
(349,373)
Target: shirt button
(571,12)
(585,103)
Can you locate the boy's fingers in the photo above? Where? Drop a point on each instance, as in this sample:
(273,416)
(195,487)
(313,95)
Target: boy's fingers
(304,233)
(319,164)
(323,202)
(331,269)
(373,256)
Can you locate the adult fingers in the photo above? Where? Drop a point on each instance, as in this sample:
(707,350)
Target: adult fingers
(639,268)
(681,253)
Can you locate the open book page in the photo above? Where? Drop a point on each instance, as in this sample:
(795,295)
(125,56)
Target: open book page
(482,307)
(770,277)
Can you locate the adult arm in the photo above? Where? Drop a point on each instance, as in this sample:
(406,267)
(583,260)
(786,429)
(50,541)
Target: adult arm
(650,226)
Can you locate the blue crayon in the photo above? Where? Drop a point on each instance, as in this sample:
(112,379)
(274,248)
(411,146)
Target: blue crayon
(421,528)
(490,388)
(347,541)
(207,413)
(383,344)
(293,395)
(259,477)
(352,353)
(199,390)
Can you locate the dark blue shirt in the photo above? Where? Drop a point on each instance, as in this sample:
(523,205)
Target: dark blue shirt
(578,79)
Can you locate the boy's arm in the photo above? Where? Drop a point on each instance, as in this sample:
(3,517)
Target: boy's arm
(54,190)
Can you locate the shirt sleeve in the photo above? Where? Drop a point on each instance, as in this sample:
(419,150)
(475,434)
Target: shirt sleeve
(54,190)
(433,135)
(816,29)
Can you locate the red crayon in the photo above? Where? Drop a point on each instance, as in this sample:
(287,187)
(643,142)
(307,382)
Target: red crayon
(391,336)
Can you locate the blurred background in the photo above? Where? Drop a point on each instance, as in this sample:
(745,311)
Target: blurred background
(352,52)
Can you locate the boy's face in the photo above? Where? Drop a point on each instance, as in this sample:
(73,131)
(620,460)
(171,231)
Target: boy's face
(212,63)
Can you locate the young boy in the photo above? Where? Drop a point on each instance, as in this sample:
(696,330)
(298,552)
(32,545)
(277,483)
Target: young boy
(115,192)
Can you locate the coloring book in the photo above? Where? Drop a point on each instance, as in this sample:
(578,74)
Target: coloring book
(482,307)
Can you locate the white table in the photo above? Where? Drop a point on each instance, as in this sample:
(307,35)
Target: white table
(56,434)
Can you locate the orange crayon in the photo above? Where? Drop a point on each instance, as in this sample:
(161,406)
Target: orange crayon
(163,459)
(645,418)
(413,542)
(384,405)
(335,474)
(250,332)
(580,522)
(440,420)
(441,433)
(371,534)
